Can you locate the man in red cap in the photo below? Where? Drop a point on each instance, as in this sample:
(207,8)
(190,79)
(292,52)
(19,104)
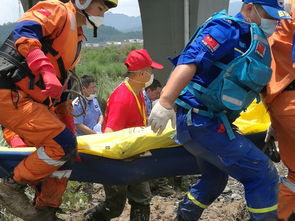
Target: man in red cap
(126,108)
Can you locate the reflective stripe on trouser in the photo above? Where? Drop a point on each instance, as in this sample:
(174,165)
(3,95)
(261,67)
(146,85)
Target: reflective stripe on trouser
(238,158)
(52,187)
(286,201)
(41,128)
(196,201)
(282,113)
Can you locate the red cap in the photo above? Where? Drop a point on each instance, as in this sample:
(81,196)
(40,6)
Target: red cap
(140,59)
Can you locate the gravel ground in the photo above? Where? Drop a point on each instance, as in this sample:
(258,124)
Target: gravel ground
(230,206)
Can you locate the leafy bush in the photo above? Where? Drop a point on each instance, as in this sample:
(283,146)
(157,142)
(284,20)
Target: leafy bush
(106,65)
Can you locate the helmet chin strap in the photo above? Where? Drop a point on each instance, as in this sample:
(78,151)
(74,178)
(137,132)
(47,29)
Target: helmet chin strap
(82,6)
(91,22)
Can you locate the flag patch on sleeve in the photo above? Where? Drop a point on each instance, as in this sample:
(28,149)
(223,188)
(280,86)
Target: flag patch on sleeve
(210,43)
(260,49)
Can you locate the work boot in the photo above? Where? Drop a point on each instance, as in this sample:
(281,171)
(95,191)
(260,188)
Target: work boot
(97,213)
(165,191)
(46,214)
(292,217)
(161,187)
(139,212)
(179,218)
(13,198)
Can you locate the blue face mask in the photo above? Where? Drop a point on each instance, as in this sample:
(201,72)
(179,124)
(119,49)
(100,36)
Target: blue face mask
(268,26)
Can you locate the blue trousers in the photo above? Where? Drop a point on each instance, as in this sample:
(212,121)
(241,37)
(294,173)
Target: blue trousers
(218,157)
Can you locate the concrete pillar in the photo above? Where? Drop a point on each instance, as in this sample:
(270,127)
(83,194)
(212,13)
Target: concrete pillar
(163,26)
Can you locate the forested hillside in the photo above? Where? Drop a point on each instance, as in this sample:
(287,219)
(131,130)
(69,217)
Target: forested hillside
(105,33)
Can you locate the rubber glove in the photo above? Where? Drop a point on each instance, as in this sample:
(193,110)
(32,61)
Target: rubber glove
(17,141)
(38,62)
(269,134)
(159,118)
(97,128)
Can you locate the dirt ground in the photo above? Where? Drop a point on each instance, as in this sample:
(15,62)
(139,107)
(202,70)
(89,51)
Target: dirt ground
(230,206)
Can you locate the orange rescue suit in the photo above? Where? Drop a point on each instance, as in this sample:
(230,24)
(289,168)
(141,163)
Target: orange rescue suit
(280,98)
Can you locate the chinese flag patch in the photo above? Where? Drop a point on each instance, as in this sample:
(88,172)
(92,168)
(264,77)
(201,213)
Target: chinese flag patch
(211,43)
(44,12)
(260,49)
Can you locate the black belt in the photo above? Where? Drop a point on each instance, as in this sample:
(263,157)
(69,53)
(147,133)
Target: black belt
(6,82)
(290,87)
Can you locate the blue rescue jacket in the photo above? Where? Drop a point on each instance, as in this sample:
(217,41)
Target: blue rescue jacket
(238,82)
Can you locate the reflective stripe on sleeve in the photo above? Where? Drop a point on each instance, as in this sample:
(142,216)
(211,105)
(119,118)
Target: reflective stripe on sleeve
(45,158)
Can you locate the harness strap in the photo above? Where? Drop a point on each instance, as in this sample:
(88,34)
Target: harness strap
(221,116)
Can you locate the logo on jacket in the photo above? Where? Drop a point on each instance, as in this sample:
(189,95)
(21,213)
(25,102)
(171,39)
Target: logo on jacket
(44,12)
(210,43)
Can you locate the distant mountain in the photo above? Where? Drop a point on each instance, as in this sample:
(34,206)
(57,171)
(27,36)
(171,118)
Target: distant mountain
(5,30)
(123,22)
(234,8)
(105,33)
(117,27)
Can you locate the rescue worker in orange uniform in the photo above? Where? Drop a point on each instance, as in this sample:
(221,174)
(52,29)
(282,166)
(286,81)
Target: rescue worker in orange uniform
(280,98)
(34,65)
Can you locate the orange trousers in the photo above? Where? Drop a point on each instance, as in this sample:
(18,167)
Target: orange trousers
(282,113)
(41,128)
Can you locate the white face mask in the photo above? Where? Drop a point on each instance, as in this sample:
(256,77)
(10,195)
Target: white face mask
(97,20)
(91,97)
(149,82)
(288,7)
(146,84)
(268,26)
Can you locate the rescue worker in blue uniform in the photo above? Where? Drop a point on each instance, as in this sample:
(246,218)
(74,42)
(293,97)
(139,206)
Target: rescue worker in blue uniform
(91,121)
(220,151)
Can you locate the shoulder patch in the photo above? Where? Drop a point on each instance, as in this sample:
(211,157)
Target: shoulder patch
(260,49)
(44,12)
(210,43)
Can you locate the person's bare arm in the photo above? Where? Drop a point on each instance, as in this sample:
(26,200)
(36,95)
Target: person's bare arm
(108,130)
(179,78)
(86,130)
(100,120)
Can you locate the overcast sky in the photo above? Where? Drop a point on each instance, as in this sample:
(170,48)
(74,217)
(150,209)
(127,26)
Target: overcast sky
(10,10)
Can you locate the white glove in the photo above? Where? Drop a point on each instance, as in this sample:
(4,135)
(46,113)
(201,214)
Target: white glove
(159,118)
(270,133)
(97,128)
